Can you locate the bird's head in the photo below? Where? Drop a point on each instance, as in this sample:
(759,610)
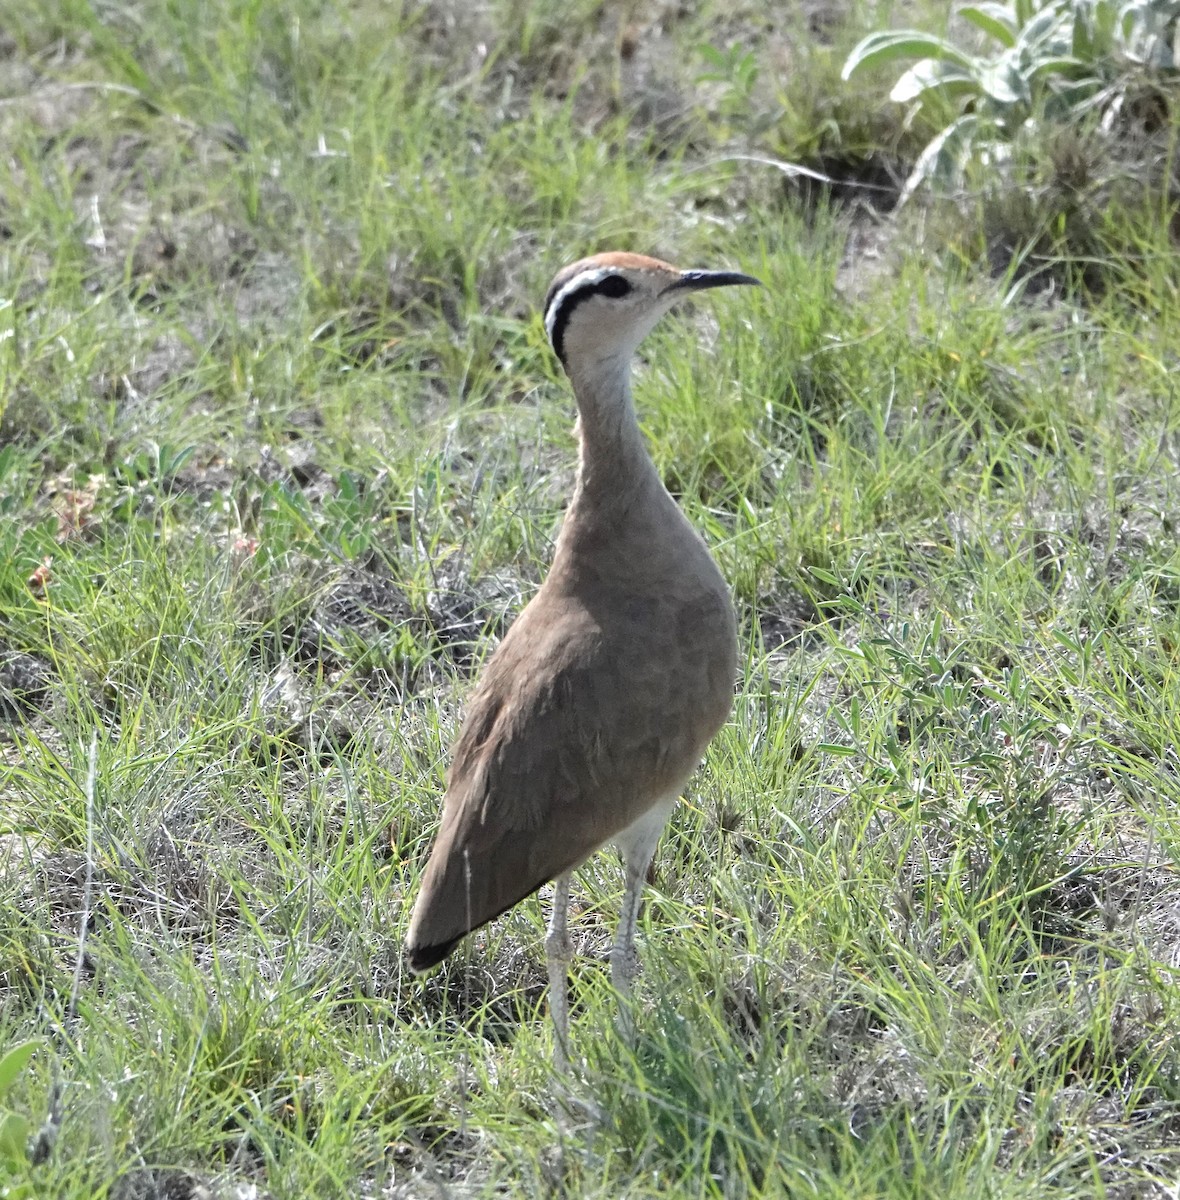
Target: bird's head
(599,309)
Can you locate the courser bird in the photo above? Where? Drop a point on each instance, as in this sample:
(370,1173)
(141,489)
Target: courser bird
(598,705)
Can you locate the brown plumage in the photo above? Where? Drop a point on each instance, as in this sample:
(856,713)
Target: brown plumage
(599,703)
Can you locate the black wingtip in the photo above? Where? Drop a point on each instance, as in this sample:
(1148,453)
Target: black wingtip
(422,958)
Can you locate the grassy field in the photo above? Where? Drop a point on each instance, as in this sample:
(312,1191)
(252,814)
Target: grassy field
(283,449)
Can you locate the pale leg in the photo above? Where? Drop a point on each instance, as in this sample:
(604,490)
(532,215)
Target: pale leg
(624,958)
(558,955)
(638,844)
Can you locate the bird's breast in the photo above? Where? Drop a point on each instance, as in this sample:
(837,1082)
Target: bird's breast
(662,609)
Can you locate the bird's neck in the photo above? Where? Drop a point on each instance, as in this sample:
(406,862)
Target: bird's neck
(614,462)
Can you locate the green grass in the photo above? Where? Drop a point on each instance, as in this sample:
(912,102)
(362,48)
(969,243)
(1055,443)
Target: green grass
(279,427)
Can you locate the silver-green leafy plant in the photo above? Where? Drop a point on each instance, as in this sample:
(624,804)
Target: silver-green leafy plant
(1055,61)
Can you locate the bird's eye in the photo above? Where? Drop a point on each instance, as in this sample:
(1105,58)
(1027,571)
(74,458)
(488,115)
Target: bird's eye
(613,286)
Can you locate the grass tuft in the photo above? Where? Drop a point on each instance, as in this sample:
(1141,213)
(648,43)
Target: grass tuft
(282,452)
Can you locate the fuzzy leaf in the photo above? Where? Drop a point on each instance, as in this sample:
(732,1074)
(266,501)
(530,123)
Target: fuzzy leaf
(1065,65)
(931,75)
(996,20)
(942,160)
(1003,82)
(1045,33)
(892,44)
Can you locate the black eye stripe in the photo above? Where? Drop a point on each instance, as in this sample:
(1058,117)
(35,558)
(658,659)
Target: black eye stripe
(612,286)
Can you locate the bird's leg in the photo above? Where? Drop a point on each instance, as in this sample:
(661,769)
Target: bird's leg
(558,956)
(624,958)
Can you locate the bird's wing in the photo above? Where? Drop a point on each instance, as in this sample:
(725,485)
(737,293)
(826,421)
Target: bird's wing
(570,736)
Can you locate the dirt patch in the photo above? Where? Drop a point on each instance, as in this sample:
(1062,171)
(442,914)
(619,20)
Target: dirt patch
(467,615)
(25,681)
(175,1183)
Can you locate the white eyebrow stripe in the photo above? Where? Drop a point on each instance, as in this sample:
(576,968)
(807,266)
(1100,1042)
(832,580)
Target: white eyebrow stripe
(590,278)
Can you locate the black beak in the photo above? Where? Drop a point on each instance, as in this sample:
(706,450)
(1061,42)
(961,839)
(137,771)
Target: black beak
(697,281)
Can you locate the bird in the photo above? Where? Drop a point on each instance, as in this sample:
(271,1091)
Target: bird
(597,706)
